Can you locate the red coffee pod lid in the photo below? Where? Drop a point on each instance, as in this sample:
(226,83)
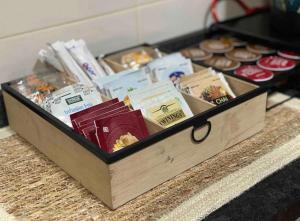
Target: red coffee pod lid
(289,54)
(254,73)
(243,55)
(256,48)
(276,63)
(216,46)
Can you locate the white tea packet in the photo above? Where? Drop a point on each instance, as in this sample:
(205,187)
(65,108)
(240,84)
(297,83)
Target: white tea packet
(121,86)
(71,99)
(171,67)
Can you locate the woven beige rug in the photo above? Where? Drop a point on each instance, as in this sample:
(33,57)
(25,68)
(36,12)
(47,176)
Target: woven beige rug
(33,188)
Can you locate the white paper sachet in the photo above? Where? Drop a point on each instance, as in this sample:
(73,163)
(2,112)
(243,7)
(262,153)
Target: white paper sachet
(85,59)
(49,58)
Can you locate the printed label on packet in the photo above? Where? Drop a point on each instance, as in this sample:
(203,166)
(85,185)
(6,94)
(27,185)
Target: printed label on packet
(167,114)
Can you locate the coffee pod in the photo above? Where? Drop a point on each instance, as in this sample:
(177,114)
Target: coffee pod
(222,63)
(260,49)
(289,54)
(242,55)
(236,42)
(254,73)
(276,63)
(196,54)
(216,46)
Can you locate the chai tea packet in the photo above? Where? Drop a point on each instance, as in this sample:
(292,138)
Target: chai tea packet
(211,89)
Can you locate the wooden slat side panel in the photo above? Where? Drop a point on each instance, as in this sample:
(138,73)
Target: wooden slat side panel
(89,170)
(148,168)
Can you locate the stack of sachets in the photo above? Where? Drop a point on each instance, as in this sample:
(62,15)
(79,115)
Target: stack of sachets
(119,85)
(170,67)
(161,103)
(111,125)
(71,99)
(207,85)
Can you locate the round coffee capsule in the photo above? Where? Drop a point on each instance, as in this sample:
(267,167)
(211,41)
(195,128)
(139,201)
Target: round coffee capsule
(196,54)
(216,46)
(254,73)
(222,63)
(276,63)
(260,49)
(243,55)
(289,55)
(236,42)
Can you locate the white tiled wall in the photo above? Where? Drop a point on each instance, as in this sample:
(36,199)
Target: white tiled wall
(26,26)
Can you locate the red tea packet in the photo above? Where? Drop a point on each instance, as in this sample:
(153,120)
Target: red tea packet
(91,109)
(96,113)
(90,121)
(89,130)
(116,132)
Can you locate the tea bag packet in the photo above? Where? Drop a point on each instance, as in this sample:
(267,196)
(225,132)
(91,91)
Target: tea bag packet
(186,80)
(171,67)
(89,129)
(161,103)
(78,121)
(85,59)
(212,89)
(62,103)
(75,117)
(90,121)
(116,132)
(121,86)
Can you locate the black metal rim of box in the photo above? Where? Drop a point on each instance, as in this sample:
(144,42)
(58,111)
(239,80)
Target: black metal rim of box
(282,41)
(194,122)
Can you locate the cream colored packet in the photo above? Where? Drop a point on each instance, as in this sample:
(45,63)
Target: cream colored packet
(212,90)
(161,103)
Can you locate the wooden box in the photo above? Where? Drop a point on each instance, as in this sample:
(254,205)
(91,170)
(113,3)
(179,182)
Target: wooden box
(120,177)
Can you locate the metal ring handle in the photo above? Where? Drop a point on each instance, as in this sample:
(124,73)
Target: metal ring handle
(195,140)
